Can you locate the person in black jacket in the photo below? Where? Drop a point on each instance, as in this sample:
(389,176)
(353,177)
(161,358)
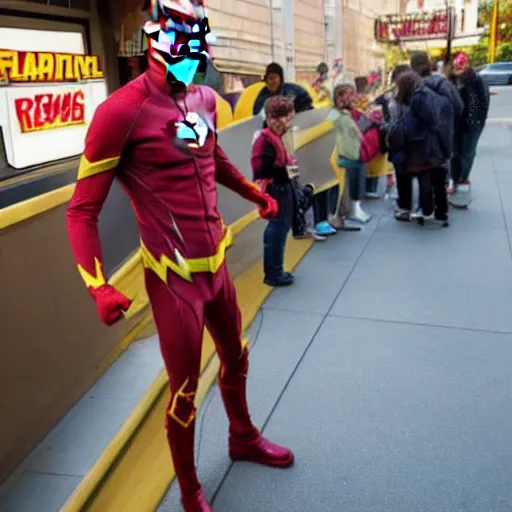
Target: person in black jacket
(418,135)
(438,83)
(276,86)
(475,96)
(393,111)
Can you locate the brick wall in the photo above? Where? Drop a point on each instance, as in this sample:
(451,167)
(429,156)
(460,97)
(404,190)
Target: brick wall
(361,54)
(309,34)
(243,31)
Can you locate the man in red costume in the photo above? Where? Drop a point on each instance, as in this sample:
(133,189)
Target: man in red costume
(157,136)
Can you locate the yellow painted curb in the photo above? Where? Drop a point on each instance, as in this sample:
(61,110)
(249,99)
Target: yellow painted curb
(135,470)
(35,206)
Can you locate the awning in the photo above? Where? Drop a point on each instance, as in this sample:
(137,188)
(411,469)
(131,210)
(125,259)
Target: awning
(238,68)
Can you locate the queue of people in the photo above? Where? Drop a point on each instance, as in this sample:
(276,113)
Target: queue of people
(432,135)
(428,124)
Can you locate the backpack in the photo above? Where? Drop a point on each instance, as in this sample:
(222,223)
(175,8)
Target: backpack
(445,128)
(444,88)
(428,129)
(445,123)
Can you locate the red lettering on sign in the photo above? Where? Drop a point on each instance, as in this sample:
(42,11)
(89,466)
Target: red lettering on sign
(421,25)
(78,107)
(24,107)
(49,111)
(65,108)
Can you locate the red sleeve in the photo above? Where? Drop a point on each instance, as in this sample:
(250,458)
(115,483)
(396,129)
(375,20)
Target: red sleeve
(104,145)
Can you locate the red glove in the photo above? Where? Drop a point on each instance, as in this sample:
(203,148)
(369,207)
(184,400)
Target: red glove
(110,303)
(269,207)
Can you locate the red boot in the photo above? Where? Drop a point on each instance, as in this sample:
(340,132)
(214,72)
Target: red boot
(196,502)
(245,441)
(261,451)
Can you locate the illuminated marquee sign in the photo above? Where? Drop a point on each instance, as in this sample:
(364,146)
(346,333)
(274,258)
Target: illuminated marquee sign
(51,110)
(408,27)
(30,67)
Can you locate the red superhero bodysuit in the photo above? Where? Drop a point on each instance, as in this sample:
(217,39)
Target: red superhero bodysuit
(139,137)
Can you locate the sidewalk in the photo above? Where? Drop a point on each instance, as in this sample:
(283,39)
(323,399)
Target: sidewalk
(387,368)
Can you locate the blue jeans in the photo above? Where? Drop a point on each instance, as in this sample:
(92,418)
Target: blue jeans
(274,243)
(464,153)
(356,174)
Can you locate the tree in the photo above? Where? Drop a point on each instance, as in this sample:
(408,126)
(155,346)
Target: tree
(395,55)
(480,52)
(504,18)
(504,52)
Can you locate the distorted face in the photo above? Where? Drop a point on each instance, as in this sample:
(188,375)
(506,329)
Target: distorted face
(281,125)
(288,120)
(273,82)
(460,64)
(177,37)
(345,97)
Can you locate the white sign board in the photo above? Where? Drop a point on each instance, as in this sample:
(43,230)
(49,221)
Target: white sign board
(36,125)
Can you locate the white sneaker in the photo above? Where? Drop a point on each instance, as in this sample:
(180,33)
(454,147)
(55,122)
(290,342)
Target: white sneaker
(311,233)
(420,217)
(358,214)
(391,193)
(462,197)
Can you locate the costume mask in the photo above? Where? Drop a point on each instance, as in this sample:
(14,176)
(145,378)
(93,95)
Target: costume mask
(177,37)
(461,63)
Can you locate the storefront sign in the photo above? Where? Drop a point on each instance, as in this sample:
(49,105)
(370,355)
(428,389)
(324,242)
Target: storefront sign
(23,67)
(50,110)
(408,27)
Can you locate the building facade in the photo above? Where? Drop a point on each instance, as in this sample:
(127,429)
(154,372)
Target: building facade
(310,36)
(251,34)
(361,53)
(247,35)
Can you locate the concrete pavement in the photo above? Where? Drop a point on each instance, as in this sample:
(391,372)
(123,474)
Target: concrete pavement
(387,368)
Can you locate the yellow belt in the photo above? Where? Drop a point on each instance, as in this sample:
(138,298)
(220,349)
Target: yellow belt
(185,267)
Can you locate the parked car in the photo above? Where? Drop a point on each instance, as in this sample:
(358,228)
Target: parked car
(498,73)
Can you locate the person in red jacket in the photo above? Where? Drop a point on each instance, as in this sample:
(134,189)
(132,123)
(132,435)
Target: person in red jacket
(157,137)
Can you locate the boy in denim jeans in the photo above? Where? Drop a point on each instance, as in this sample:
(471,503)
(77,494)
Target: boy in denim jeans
(275,170)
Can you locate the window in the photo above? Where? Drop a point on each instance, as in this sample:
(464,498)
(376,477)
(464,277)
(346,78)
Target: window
(501,66)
